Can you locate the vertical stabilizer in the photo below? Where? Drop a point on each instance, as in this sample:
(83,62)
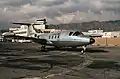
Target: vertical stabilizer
(31,30)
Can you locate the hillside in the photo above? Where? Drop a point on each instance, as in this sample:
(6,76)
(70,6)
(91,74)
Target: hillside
(85,26)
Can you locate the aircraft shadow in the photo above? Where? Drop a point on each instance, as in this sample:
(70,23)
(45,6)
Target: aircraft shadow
(29,64)
(43,65)
(6,54)
(97,50)
(102,64)
(88,50)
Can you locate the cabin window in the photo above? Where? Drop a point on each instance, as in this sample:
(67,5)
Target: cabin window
(55,36)
(38,37)
(52,37)
(49,37)
(35,35)
(20,32)
(70,33)
(58,36)
(46,31)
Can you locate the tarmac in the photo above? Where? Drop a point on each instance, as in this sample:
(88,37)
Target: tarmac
(26,61)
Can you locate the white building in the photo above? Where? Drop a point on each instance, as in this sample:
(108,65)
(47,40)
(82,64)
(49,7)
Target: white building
(41,26)
(111,34)
(94,33)
(101,33)
(22,31)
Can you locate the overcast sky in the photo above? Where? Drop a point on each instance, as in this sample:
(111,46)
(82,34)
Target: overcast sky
(58,11)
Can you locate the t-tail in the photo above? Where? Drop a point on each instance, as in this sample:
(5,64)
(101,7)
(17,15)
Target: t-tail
(31,29)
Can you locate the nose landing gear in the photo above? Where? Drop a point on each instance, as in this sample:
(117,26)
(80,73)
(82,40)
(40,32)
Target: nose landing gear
(83,49)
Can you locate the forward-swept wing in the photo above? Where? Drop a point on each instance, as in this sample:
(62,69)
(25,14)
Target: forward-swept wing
(36,40)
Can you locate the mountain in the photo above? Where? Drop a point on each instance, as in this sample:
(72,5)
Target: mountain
(85,26)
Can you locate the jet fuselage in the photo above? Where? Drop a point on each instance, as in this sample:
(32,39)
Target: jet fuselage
(66,39)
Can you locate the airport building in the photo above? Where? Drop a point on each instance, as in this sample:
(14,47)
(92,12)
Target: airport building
(94,33)
(111,34)
(21,31)
(104,38)
(102,34)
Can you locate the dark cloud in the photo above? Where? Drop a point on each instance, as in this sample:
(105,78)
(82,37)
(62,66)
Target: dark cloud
(111,1)
(82,10)
(54,3)
(17,3)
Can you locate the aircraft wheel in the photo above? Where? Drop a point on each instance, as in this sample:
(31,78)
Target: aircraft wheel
(42,48)
(83,50)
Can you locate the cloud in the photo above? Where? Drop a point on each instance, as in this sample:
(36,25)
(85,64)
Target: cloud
(57,10)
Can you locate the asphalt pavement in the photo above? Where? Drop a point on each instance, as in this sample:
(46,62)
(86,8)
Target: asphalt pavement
(26,61)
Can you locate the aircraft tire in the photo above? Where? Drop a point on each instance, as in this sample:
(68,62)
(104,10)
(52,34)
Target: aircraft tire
(83,51)
(42,48)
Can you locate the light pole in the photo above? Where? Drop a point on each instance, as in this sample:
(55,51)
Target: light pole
(105,39)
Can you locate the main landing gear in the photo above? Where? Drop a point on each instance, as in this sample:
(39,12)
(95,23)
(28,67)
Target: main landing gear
(43,48)
(83,49)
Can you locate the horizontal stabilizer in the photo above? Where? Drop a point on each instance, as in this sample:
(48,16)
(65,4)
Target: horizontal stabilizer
(36,40)
(28,24)
(41,20)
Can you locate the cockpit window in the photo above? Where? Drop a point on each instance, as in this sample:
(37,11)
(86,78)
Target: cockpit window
(77,33)
(70,33)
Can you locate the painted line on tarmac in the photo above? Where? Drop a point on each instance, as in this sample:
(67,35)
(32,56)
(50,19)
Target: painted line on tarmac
(76,68)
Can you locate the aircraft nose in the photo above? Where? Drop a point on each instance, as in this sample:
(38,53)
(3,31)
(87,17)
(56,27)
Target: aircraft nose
(92,40)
